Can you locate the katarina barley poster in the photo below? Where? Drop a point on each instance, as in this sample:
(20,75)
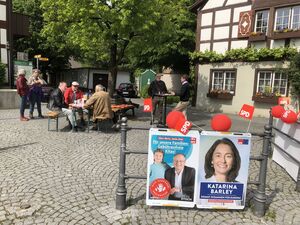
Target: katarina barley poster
(172,167)
(223,170)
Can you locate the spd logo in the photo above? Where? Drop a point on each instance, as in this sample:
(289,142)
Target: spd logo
(160,188)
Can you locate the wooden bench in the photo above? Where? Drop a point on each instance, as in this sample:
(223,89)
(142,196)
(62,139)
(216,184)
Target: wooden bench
(53,115)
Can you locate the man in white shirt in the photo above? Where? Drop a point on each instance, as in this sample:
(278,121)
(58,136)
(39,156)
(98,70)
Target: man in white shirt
(182,179)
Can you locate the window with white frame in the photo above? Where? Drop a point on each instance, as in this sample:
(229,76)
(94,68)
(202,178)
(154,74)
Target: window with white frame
(261,21)
(223,81)
(270,82)
(287,18)
(296,18)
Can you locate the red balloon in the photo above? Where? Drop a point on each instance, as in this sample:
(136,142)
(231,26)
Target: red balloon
(220,122)
(289,116)
(277,111)
(173,117)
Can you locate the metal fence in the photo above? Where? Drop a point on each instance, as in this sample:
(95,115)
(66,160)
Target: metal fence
(260,197)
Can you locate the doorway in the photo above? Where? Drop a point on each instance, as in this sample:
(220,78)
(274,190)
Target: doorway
(100,78)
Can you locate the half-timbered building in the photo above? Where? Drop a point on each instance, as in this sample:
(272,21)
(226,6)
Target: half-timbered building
(231,24)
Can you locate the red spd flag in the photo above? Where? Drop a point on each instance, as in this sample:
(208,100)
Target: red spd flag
(147,105)
(247,111)
(183,126)
(284,101)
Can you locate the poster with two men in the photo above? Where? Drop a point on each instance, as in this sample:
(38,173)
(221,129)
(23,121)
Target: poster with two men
(209,170)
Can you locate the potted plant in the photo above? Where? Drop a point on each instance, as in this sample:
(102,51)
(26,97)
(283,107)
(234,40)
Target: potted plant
(267,96)
(220,94)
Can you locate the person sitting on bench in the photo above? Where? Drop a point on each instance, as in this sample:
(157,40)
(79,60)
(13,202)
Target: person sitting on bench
(101,103)
(57,103)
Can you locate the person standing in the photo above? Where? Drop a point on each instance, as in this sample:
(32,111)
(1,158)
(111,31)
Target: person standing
(184,96)
(156,89)
(35,93)
(57,103)
(23,90)
(72,94)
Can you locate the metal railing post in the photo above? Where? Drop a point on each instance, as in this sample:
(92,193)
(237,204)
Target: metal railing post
(121,189)
(260,194)
(298,181)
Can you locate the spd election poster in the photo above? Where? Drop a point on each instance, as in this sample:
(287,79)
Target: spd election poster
(223,169)
(172,167)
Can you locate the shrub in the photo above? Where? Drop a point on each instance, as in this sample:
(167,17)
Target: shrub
(144,91)
(2,73)
(172,99)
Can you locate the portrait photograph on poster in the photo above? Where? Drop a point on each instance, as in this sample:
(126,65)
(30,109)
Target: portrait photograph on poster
(172,168)
(223,169)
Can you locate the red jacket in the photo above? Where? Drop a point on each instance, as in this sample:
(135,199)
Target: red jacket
(22,86)
(69,95)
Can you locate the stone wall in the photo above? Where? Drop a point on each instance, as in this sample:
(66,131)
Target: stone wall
(9,99)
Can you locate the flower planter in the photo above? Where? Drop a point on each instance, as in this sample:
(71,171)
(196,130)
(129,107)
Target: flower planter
(288,34)
(266,99)
(225,96)
(258,37)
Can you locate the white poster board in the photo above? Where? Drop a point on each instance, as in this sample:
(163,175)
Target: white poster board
(223,169)
(289,146)
(172,168)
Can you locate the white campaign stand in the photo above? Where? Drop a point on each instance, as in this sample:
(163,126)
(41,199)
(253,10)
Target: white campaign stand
(172,142)
(223,195)
(288,145)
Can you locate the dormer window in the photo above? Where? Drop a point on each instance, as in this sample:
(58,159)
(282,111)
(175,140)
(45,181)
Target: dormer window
(261,21)
(287,18)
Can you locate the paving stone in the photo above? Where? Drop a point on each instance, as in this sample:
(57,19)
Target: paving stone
(71,178)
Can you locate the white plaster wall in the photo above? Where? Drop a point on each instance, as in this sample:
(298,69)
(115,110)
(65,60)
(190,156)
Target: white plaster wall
(222,16)
(206,19)
(172,81)
(3,40)
(239,44)
(296,43)
(204,46)
(259,44)
(3,12)
(213,4)
(3,55)
(220,47)
(236,15)
(122,77)
(232,2)
(235,30)
(205,34)
(277,43)
(221,32)
(244,88)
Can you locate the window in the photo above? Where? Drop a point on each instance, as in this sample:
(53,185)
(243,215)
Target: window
(261,21)
(269,82)
(296,18)
(223,81)
(288,18)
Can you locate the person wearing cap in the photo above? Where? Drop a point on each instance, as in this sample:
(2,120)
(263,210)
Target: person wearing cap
(23,90)
(157,88)
(72,94)
(184,96)
(35,93)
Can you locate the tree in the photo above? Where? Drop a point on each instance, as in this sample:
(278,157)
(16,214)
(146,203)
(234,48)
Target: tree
(35,43)
(112,33)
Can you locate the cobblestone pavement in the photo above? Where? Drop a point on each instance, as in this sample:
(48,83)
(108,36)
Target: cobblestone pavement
(71,178)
